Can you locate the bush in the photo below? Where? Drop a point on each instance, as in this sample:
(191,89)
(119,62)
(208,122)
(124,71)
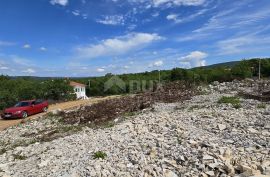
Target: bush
(232,100)
(100,155)
(261,106)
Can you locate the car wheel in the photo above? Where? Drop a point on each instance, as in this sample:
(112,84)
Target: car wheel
(24,114)
(45,109)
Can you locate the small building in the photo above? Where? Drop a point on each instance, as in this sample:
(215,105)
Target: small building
(79,90)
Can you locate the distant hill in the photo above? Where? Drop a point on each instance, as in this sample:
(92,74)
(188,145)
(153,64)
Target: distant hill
(225,64)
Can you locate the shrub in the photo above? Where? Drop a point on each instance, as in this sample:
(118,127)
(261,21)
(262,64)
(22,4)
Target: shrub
(100,155)
(261,106)
(232,100)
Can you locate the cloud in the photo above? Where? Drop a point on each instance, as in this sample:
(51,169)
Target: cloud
(177,19)
(118,46)
(156,63)
(100,70)
(112,20)
(6,43)
(29,71)
(43,49)
(26,46)
(76,12)
(4,68)
(59,2)
(194,59)
(172,17)
(20,61)
(230,18)
(158,3)
(168,3)
(243,44)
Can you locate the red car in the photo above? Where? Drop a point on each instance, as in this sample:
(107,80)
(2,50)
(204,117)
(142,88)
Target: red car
(25,108)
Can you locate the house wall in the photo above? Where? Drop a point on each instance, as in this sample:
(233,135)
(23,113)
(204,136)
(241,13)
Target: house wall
(80,92)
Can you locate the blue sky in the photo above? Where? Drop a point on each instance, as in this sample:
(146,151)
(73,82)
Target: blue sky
(95,37)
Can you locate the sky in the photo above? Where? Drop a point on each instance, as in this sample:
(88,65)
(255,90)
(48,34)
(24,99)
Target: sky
(78,38)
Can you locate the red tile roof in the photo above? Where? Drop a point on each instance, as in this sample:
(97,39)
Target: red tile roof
(73,84)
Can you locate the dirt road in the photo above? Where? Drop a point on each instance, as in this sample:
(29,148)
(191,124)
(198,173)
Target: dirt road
(63,106)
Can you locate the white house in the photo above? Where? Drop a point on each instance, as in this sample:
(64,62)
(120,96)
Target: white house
(79,89)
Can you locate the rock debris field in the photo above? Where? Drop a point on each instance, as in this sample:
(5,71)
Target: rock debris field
(198,137)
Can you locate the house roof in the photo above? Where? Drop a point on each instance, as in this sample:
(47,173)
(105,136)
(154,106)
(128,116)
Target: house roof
(73,84)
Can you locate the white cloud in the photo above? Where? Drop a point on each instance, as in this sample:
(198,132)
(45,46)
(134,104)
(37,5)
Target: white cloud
(43,49)
(156,14)
(230,19)
(59,2)
(194,59)
(26,46)
(175,18)
(158,63)
(158,3)
(112,20)
(4,68)
(172,17)
(100,70)
(118,46)
(76,12)
(29,71)
(6,43)
(243,44)
(131,27)
(168,3)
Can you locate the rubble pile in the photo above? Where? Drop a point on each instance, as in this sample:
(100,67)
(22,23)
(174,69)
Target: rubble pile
(112,108)
(196,137)
(248,88)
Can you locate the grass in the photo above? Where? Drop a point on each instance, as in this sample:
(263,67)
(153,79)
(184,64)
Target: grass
(53,133)
(99,155)
(261,106)
(19,157)
(230,100)
(129,114)
(58,133)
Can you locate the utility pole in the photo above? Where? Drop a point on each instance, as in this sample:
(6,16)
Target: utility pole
(259,69)
(159,76)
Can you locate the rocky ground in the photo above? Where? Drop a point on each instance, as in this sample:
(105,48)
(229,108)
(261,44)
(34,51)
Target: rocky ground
(199,137)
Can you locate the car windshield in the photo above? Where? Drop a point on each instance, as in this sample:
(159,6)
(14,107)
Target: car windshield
(22,104)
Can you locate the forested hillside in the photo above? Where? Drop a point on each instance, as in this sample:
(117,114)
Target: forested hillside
(14,89)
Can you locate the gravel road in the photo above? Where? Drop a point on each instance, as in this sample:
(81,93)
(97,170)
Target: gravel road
(63,106)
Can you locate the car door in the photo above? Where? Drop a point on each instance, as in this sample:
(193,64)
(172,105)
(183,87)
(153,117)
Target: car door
(38,106)
(31,108)
(35,108)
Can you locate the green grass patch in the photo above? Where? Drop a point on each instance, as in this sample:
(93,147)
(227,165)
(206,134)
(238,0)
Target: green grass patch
(100,155)
(230,100)
(261,106)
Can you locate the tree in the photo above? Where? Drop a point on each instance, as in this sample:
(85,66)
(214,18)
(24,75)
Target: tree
(242,70)
(179,74)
